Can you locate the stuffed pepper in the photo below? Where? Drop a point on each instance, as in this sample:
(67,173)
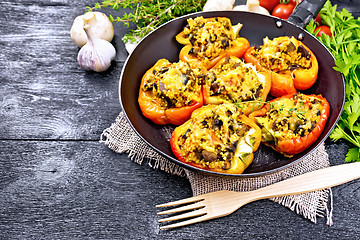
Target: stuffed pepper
(207,40)
(170,92)
(291,64)
(292,123)
(217,138)
(233,81)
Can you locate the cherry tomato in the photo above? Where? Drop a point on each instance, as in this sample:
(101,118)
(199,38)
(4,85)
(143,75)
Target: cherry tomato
(269,4)
(318,19)
(295,2)
(323,30)
(283,11)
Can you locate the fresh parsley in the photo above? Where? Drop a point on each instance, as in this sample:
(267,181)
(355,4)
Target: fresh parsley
(344,44)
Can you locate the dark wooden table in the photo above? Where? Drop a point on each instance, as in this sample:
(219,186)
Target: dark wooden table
(58,182)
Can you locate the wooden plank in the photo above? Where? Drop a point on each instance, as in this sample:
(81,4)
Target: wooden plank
(49,191)
(58,182)
(44,93)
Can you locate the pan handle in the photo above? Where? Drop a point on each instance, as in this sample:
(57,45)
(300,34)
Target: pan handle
(305,11)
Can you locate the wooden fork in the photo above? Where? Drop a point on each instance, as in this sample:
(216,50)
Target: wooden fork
(222,203)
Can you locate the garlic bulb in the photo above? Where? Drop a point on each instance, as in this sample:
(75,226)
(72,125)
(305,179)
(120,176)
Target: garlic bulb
(212,5)
(96,54)
(252,6)
(99,24)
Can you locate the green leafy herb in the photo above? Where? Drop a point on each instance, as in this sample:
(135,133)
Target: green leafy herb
(148,14)
(344,44)
(290,111)
(282,106)
(301,114)
(256,103)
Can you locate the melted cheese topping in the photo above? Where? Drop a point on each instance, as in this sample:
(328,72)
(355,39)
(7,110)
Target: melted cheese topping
(234,81)
(282,54)
(290,118)
(210,36)
(217,138)
(174,85)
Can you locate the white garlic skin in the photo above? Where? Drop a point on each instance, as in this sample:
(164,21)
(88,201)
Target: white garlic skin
(96,54)
(99,24)
(252,6)
(130,46)
(213,5)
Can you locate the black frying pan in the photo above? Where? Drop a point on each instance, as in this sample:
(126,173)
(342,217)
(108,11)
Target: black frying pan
(161,43)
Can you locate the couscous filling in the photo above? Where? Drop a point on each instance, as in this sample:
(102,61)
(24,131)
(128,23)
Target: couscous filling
(216,137)
(174,85)
(234,81)
(282,54)
(209,37)
(289,118)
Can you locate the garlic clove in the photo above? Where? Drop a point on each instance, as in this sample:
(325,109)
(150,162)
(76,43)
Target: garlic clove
(213,5)
(252,6)
(130,46)
(236,28)
(99,23)
(96,54)
(78,37)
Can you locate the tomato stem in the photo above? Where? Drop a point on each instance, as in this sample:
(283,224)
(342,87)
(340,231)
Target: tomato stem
(284,1)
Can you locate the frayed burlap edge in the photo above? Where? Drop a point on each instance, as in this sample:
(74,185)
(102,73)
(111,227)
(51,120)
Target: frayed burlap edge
(121,138)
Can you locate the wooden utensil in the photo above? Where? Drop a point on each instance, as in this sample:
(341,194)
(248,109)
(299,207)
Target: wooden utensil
(222,203)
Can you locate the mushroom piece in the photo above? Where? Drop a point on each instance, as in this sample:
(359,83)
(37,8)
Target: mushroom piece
(208,156)
(227,165)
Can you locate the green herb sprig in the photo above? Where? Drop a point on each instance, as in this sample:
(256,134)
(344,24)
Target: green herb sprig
(344,44)
(147,15)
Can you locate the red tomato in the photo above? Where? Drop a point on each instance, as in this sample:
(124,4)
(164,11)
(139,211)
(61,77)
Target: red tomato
(318,19)
(323,30)
(295,2)
(283,11)
(269,4)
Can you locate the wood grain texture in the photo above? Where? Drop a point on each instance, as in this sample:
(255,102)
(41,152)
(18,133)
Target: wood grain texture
(45,94)
(92,193)
(58,182)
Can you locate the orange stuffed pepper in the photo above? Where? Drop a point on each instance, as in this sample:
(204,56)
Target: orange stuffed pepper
(292,123)
(170,92)
(207,40)
(233,81)
(291,64)
(217,138)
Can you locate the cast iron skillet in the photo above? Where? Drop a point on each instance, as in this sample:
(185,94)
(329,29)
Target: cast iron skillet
(161,43)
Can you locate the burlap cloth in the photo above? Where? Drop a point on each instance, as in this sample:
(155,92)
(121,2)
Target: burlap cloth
(121,138)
